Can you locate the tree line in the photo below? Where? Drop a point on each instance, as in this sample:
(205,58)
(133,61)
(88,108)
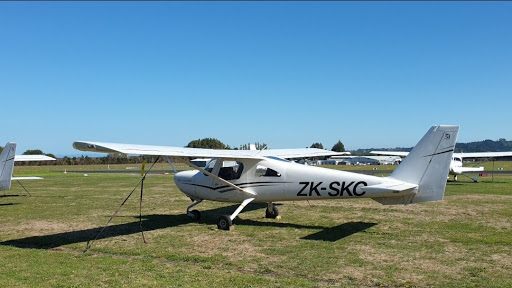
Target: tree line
(86,160)
(212,143)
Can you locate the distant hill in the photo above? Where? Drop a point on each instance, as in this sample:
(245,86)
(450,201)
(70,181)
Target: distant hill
(500,145)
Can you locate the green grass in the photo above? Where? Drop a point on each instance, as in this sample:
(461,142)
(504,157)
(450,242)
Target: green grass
(463,241)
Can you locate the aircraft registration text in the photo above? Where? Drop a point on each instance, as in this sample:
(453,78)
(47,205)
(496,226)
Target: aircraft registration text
(333,189)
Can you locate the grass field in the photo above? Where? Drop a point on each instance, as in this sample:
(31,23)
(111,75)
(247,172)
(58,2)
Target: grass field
(463,241)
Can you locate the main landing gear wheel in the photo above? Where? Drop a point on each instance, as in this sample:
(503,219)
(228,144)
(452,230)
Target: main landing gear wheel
(194,215)
(272,214)
(224,222)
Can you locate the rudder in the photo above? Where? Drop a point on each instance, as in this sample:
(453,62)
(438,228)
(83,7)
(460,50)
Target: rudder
(7,165)
(428,163)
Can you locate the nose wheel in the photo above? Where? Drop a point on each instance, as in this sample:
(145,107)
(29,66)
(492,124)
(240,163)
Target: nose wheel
(194,214)
(272,211)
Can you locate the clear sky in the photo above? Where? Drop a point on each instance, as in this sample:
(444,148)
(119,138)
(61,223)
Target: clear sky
(371,74)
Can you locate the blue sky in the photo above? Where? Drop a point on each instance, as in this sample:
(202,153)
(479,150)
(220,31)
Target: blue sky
(371,74)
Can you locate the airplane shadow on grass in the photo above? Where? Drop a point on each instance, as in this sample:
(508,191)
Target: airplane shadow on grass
(10,195)
(341,231)
(8,204)
(158,221)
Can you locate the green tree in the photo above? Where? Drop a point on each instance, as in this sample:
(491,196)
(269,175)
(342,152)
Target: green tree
(338,147)
(33,152)
(257,145)
(261,146)
(50,155)
(317,145)
(208,143)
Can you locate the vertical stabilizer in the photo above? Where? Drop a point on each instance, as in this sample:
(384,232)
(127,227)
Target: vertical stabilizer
(428,163)
(7,165)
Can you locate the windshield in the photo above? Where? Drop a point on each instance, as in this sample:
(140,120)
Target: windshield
(210,165)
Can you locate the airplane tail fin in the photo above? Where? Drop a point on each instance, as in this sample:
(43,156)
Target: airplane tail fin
(427,165)
(7,165)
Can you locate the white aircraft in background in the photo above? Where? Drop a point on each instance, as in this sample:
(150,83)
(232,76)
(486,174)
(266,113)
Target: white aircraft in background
(245,176)
(7,159)
(456,167)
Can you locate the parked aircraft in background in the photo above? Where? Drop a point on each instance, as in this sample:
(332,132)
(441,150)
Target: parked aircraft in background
(456,167)
(265,176)
(7,159)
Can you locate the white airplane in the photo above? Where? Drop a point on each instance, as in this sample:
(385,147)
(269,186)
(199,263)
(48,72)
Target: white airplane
(456,167)
(7,159)
(245,176)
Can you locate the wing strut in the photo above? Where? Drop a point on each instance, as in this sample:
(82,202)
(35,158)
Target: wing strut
(143,175)
(168,159)
(23,187)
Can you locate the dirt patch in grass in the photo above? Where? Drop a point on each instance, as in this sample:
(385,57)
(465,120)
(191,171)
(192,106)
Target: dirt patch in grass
(38,228)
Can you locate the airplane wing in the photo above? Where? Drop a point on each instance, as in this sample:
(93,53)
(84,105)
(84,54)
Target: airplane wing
(390,153)
(462,155)
(483,154)
(299,153)
(462,170)
(133,149)
(32,158)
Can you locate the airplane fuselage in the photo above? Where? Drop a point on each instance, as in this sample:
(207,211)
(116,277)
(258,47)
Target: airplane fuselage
(287,181)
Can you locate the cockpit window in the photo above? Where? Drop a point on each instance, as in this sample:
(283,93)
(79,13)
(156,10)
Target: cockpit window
(210,165)
(231,170)
(263,171)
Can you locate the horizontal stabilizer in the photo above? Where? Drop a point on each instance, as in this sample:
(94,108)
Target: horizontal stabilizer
(26,178)
(18,158)
(404,200)
(390,188)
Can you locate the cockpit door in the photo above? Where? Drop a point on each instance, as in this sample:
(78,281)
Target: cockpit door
(229,170)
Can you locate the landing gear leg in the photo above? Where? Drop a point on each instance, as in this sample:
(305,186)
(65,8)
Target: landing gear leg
(194,214)
(271,211)
(225,222)
(455,178)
